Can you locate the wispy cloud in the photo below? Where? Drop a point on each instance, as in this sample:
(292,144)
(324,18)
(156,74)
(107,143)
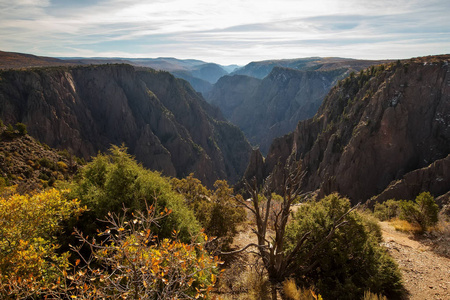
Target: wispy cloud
(231,31)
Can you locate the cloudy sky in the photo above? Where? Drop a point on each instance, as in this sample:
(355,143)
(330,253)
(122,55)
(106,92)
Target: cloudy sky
(226,31)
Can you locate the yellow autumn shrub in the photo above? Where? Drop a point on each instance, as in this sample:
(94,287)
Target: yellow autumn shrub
(128,261)
(28,257)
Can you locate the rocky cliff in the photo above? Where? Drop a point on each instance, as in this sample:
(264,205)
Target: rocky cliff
(386,130)
(271,107)
(161,119)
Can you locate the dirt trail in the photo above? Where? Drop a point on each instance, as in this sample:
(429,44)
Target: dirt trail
(426,275)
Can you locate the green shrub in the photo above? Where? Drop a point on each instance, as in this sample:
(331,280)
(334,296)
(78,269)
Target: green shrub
(352,261)
(3,182)
(133,263)
(387,210)
(46,163)
(423,212)
(9,132)
(115,180)
(64,153)
(22,128)
(217,211)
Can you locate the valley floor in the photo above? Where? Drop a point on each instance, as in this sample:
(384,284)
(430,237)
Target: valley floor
(426,275)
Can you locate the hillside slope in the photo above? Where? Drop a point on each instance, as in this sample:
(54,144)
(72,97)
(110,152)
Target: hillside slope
(13,60)
(161,119)
(374,129)
(31,165)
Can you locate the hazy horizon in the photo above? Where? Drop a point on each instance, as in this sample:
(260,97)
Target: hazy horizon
(231,32)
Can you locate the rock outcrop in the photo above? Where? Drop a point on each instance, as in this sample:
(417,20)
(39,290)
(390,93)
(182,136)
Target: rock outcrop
(389,123)
(433,178)
(165,123)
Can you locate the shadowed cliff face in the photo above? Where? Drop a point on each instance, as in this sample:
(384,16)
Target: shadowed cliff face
(269,108)
(161,119)
(385,125)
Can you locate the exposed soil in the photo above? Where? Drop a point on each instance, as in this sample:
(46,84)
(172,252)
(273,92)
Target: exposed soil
(426,275)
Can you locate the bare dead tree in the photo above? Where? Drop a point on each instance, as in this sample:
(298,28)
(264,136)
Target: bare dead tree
(278,262)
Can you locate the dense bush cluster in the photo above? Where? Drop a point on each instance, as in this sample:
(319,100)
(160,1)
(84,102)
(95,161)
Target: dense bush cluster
(387,210)
(153,250)
(114,181)
(11,132)
(218,211)
(352,261)
(132,263)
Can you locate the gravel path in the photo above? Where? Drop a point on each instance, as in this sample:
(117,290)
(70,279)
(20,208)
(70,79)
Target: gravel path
(426,275)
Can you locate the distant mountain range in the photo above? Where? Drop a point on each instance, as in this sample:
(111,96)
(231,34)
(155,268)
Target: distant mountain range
(201,75)
(261,69)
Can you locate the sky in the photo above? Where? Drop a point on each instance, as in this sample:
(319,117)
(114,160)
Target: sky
(226,31)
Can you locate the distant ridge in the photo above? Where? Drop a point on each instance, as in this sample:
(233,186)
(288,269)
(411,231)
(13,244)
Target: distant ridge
(201,75)
(13,60)
(260,69)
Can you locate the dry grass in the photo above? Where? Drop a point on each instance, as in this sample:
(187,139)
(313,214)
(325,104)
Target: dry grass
(440,242)
(405,226)
(371,296)
(437,237)
(292,292)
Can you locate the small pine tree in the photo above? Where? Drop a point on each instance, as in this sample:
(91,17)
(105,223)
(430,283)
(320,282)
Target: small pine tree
(424,211)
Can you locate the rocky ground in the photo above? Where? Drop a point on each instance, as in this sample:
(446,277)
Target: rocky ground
(426,274)
(30,164)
